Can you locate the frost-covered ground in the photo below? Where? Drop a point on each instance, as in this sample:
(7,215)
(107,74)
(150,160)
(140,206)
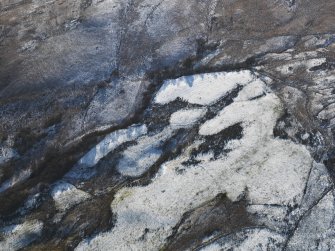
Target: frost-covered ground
(167,125)
(218,139)
(270,174)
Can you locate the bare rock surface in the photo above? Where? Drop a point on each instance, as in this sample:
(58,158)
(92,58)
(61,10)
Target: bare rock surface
(167,125)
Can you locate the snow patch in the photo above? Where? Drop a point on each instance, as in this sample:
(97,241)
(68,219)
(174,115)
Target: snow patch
(277,178)
(108,144)
(66,195)
(186,117)
(15,237)
(6,154)
(202,89)
(309,63)
(252,90)
(250,239)
(268,176)
(138,158)
(316,229)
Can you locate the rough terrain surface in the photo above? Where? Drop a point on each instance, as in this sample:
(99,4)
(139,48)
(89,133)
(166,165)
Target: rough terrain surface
(167,125)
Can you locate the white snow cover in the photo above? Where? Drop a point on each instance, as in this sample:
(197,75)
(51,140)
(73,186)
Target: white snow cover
(308,63)
(186,117)
(202,89)
(15,237)
(251,239)
(138,158)
(315,230)
(6,154)
(271,170)
(109,143)
(271,166)
(252,90)
(66,195)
